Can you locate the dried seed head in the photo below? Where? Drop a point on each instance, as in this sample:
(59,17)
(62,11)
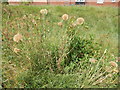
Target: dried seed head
(74,24)
(43,11)
(16,50)
(65,17)
(92,60)
(17,37)
(34,22)
(114,64)
(80,20)
(60,24)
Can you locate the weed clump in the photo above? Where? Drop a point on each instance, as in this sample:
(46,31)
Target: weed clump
(56,49)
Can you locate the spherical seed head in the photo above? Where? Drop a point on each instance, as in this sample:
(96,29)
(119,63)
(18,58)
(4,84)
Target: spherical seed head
(60,23)
(80,20)
(16,50)
(17,37)
(92,60)
(43,11)
(65,17)
(114,64)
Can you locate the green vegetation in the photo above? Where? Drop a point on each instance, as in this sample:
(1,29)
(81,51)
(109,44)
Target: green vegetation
(60,56)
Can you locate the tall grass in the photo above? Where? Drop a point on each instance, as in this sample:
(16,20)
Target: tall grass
(59,56)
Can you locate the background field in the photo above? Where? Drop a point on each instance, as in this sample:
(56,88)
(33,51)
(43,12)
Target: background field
(53,56)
